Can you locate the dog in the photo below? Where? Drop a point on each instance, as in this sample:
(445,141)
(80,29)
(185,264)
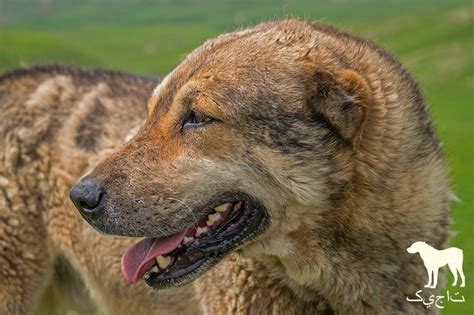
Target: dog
(286,167)
(435,259)
(57,122)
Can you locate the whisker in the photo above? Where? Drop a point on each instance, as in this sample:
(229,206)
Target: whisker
(188,207)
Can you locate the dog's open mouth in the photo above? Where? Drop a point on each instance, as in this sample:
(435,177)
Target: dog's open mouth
(180,258)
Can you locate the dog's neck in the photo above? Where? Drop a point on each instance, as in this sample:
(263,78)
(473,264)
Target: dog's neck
(352,252)
(349,257)
(427,251)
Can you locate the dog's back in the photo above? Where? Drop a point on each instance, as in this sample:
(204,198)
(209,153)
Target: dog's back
(56,123)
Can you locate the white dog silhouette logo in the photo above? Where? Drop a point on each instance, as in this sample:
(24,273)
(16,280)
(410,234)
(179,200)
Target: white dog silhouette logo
(435,259)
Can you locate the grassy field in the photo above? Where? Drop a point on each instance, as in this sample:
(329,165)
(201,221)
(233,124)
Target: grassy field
(433,38)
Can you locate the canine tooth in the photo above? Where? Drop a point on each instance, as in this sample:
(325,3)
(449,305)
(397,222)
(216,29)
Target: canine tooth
(201,230)
(222,208)
(163,261)
(155,269)
(212,218)
(187,240)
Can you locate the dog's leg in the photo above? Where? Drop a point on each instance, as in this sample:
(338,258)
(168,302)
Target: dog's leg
(458,267)
(430,271)
(463,279)
(435,278)
(452,267)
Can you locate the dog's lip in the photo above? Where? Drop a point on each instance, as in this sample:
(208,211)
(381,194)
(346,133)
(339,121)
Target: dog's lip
(139,258)
(188,253)
(189,262)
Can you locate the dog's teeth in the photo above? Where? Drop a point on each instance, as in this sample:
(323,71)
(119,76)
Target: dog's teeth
(163,261)
(212,218)
(201,230)
(188,240)
(222,208)
(155,269)
(237,206)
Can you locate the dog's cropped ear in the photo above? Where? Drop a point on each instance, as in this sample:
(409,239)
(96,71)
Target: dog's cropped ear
(341,100)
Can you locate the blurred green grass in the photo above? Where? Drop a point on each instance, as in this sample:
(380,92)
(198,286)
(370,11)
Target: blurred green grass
(433,38)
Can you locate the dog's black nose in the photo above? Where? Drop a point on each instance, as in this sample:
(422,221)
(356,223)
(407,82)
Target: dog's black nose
(87,195)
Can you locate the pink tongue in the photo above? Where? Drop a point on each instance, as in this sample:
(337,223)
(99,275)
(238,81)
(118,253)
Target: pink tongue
(139,258)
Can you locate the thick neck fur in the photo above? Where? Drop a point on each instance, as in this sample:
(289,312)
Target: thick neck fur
(355,255)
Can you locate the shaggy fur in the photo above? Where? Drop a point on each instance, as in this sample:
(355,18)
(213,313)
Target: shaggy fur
(329,133)
(55,123)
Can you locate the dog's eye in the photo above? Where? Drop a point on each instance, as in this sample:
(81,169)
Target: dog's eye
(196,119)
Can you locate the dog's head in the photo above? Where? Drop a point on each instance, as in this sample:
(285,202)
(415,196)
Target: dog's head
(416,247)
(246,140)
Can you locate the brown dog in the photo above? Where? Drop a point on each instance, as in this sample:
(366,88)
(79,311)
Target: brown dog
(57,122)
(307,150)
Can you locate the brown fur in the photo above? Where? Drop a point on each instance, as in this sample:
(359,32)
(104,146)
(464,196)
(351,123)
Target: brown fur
(327,131)
(56,123)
